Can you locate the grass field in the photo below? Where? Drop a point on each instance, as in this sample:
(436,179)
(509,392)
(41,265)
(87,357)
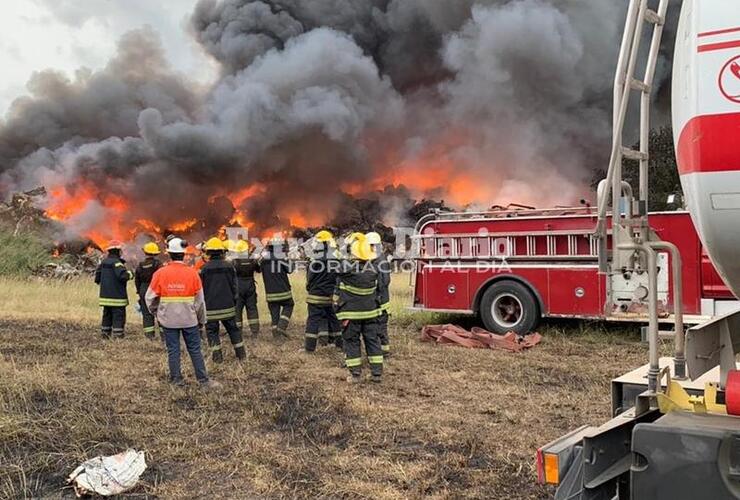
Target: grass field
(445,423)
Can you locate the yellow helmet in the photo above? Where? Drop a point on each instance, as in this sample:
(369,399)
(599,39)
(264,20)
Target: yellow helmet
(362,249)
(151,248)
(324,236)
(214,245)
(241,246)
(229,245)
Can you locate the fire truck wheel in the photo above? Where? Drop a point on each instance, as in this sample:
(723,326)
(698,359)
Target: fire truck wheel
(509,306)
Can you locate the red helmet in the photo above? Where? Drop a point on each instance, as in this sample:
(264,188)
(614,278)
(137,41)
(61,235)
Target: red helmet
(114,245)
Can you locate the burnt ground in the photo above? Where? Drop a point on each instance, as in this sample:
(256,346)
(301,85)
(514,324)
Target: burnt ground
(446,423)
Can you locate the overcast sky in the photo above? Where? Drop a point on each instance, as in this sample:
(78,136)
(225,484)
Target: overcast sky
(69,34)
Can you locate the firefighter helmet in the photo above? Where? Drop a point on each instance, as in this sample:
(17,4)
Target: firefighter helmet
(362,249)
(326,237)
(215,245)
(151,248)
(176,245)
(241,246)
(114,245)
(374,238)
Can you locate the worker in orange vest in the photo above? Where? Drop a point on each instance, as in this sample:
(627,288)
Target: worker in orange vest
(176,299)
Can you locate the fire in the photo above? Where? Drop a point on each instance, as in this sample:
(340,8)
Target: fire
(184,226)
(432,172)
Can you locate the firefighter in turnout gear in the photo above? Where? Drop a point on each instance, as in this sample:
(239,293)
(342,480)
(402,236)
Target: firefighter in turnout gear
(245,267)
(358,309)
(275,268)
(322,325)
(383,267)
(220,291)
(142,279)
(112,276)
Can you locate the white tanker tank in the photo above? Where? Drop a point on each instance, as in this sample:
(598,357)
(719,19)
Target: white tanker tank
(706,125)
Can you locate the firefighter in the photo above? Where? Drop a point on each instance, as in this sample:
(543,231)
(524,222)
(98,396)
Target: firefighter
(142,279)
(358,308)
(175,298)
(383,267)
(245,267)
(321,279)
(112,276)
(220,291)
(275,268)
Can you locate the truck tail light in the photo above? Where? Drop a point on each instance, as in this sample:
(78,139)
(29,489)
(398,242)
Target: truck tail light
(548,468)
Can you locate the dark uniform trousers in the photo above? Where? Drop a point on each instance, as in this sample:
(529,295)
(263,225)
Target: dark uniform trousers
(247,299)
(364,331)
(114,321)
(383,333)
(280,314)
(214,337)
(322,325)
(147,318)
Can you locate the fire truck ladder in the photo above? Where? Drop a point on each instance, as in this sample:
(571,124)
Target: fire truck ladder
(633,245)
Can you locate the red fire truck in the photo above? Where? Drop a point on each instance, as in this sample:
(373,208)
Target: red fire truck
(511,267)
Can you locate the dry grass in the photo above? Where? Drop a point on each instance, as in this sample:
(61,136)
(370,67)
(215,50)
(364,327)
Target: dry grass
(446,422)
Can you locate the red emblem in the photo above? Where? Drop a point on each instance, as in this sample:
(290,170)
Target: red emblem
(729,80)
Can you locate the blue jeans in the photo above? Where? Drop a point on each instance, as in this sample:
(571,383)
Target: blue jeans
(192,342)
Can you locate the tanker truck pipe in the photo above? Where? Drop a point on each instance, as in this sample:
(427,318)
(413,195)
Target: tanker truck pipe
(653,327)
(679,345)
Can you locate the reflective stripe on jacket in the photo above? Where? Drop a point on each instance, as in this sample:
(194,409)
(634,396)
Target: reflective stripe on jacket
(383,266)
(175,297)
(275,273)
(219,289)
(357,290)
(321,279)
(112,276)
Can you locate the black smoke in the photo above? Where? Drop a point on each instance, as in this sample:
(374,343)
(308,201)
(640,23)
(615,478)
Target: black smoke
(316,94)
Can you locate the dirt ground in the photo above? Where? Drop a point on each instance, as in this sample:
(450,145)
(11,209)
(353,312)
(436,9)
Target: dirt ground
(446,423)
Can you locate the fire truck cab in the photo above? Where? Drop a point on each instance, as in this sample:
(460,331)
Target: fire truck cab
(512,267)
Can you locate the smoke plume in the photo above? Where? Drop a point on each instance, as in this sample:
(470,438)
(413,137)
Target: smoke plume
(474,101)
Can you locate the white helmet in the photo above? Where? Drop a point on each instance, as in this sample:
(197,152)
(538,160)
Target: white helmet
(374,238)
(177,245)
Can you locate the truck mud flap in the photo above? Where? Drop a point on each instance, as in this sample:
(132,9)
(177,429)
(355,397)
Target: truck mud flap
(607,456)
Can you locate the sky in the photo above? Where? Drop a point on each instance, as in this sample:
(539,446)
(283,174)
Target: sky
(70,34)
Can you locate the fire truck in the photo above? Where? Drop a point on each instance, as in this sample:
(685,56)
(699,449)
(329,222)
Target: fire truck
(513,266)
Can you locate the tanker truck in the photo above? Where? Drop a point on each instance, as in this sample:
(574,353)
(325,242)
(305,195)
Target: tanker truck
(675,431)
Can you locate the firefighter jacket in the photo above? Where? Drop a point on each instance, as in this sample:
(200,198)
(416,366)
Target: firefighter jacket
(175,296)
(357,288)
(219,289)
(112,277)
(383,266)
(144,274)
(321,279)
(245,269)
(275,271)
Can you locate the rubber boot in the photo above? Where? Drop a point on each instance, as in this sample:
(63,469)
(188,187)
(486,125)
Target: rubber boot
(240,352)
(217,356)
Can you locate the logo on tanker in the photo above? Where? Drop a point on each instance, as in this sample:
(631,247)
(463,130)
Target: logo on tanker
(729,80)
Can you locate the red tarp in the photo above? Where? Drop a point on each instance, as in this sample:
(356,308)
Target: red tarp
(478,338)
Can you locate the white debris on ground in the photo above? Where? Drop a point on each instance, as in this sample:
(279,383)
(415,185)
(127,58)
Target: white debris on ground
(108,476)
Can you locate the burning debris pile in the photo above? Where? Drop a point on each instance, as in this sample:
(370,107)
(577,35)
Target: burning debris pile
(320,102)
